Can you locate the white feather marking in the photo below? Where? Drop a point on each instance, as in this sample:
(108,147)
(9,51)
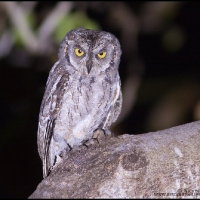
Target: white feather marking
(57,80)
(190,175)
(112,104)
(178,152)
(78,129)
(177,183)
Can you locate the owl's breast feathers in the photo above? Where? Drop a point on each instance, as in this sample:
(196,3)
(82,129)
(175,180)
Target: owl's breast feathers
(87,103)
(74,107)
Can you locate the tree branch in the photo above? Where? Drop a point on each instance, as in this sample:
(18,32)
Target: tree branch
(130,166)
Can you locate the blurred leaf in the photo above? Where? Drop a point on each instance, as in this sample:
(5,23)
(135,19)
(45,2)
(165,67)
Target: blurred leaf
(173,39)
(170,12)
(16,34)
(71,21)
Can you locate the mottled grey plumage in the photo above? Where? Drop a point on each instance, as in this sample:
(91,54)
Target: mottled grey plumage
(83,93)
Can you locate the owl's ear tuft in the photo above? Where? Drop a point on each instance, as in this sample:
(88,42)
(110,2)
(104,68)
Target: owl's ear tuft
(62,53)
(71,37)
(117,52)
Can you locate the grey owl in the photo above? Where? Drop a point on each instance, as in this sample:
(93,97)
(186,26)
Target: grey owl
(82,94)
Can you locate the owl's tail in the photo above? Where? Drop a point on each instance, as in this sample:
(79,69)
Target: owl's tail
(47,140)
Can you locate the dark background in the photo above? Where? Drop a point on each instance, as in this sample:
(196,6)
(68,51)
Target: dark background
(159,70)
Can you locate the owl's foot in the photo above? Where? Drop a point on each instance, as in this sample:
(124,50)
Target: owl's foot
(98,137)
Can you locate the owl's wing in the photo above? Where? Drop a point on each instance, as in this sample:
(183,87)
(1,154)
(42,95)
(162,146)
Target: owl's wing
(115,108)
(51,103)
(46,144)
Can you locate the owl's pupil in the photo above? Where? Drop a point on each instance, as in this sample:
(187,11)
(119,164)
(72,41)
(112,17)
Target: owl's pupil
(79,51)
(101,54)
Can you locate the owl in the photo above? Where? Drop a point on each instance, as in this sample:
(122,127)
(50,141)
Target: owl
(82,94)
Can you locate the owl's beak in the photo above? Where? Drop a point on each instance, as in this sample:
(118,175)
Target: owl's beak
(89,66)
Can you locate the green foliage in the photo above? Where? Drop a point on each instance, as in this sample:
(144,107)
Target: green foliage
(67,23)
(173,39)
(71,21)
(16,34)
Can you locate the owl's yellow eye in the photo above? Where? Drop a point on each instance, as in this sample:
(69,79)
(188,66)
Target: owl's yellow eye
(102,55)
(79,52)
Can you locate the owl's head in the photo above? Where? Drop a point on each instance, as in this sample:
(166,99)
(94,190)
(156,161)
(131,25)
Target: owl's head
(90,51)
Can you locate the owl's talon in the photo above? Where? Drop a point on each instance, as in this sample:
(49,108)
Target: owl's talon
(99,135)
(79,148)
(90,142)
